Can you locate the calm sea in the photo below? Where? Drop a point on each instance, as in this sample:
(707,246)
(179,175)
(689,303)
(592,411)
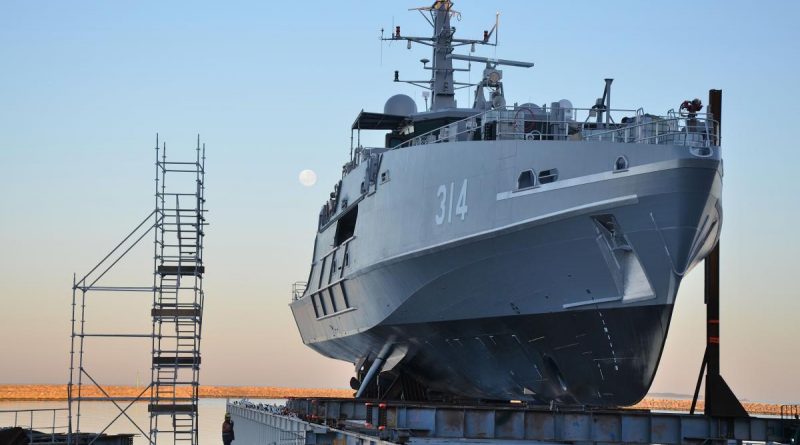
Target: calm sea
(96,415)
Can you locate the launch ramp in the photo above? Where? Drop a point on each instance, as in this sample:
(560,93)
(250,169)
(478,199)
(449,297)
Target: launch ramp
(339,421)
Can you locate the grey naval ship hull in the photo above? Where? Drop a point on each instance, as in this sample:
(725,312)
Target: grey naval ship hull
(562,292)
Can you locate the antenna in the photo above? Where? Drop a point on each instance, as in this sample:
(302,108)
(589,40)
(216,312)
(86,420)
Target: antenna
(490,61)
(496,28)
(441,84)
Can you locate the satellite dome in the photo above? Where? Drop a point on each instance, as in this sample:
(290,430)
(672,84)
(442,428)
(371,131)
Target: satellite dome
(400,105)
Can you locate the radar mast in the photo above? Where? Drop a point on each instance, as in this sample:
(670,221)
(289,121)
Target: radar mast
(442,85)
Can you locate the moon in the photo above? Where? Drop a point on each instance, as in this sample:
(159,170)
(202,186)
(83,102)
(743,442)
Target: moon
(307,177)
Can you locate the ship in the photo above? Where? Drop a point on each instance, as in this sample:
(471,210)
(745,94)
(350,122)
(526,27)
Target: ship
(498,252)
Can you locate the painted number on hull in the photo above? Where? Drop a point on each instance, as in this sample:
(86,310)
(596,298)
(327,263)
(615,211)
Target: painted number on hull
(445,197)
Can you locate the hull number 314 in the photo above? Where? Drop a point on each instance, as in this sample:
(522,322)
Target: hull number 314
(446,208)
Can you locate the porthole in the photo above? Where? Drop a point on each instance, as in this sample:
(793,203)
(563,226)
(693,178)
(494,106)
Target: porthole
(621,164)
(548,176)
(526,180)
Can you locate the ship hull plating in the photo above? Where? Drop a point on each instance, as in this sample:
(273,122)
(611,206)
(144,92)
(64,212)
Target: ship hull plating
(603,357)
(562,292)
(571,305)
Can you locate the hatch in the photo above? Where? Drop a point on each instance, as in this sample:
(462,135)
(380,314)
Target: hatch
(346,226)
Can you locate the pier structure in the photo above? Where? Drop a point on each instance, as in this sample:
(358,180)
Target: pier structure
(177,225)
(48,426)
(350,421)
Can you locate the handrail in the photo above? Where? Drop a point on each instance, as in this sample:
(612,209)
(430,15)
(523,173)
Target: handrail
(790,412)
(82,281)
(661,128)
(298,289)
(570,115)
(695,130)
(31,427)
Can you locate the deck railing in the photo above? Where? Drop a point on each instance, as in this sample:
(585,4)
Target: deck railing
(298,289)
(523,123)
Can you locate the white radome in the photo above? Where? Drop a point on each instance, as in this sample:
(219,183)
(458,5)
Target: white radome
(307,178)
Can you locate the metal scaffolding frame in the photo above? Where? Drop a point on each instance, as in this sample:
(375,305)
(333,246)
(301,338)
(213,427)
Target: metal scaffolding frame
(177,223)
(351,421)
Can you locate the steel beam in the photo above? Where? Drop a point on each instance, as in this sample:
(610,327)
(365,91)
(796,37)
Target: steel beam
(437,423)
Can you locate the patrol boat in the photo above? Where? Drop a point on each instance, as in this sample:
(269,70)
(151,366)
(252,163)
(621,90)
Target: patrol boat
(524,252)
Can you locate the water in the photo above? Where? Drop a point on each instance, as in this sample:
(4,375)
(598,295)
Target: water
(96,415)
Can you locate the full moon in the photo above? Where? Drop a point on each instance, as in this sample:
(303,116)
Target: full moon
(307,178)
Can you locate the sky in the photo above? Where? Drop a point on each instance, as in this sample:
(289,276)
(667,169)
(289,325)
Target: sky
(272,89)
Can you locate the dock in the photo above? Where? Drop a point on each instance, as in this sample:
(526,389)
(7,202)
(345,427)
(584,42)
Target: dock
(46,426)
(350,421)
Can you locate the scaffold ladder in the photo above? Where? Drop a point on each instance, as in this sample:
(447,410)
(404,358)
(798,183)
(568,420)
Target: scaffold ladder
(177,222)
(177,296)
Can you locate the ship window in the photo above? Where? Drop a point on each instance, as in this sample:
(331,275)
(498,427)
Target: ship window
(526,180)
(385,176)
(621,164)
(346,226)
(548,176)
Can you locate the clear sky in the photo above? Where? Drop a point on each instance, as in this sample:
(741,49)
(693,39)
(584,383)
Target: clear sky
(273,87)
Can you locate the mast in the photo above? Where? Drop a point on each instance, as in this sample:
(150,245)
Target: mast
(442,76)
(441,84)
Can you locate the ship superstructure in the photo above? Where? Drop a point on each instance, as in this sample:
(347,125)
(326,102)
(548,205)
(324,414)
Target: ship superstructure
(527,252)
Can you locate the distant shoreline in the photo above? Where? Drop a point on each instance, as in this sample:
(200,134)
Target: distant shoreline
(31,393)
(42,393)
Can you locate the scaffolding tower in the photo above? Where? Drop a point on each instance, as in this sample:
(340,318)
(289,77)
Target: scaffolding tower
(177,299)
(177,223)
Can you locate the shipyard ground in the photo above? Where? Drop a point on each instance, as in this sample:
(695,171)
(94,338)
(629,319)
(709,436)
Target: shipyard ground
(349,421)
